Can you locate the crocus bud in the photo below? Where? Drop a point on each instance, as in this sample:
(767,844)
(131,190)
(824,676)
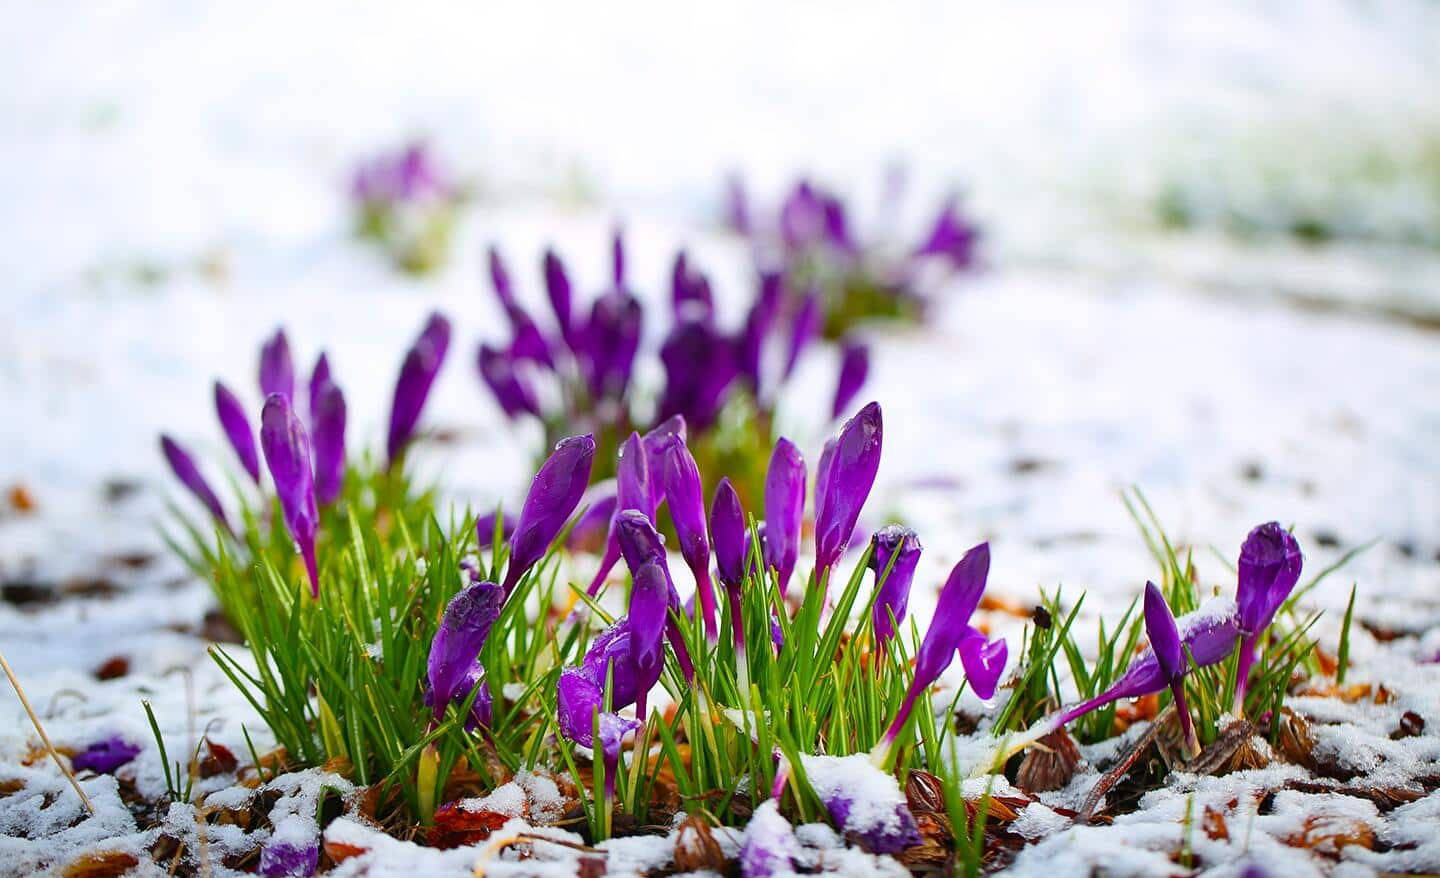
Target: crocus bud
(237,429)
(672,429)
(892,578)
(758,323)
(784,509)
(277,370)
(644,548)
(319,377)
(183,465)
(727,532)
(804,330)
(612,339)
(287,453)
(1169,655)
(687,510)
(557,288)
(511,391)
(412,386)
(1269,568)
(464,627)
(105,755)
(951,238)
(843,482)
(854,367)
(770,847)
(328,418)
(500,279)
(552,499)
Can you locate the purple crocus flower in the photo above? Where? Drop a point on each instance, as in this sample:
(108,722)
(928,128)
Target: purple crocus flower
(412,386)
(277,370)
(737,205)
(643,547)
(183,465)
(1169,656)
(1269,568)
(105,755)
(500,279)
(802,218)
(464,627)
(690,294)
(804,330)
(892,577)
(328,420)
(319,376)
(883,822)
(784,509)
(289,858)
(700,365)
(287,453)
(950,632)
(952,238)
(854,367)
(557,288)
(687,509)
(485,528)
(758,323)
(632,491)
(552,499)
(727,532)
(237,429)
(843,480)
(612,339)
(528,342)
(511,390)
(770,847)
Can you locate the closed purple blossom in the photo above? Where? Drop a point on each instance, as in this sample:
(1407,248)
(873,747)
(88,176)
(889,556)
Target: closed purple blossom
(700,365)
(632,491)
(554,494)
(770,848)
(802,217)
(511,390)
(758,323)
(644,551)
(412,386)
(842,483)
(690,294)
(1269,568)
(952,238)
(896,555)
(319,377)
(854,367)
(328,420)
(612,339)
(463,630)
(1169,653)
(672,429)
(784,509)
(277,370)
(287,453)
(557,288)
(686,497)
(727,534)
(237,430)
(804,329)
(105,755)
(289,858)
(183,465)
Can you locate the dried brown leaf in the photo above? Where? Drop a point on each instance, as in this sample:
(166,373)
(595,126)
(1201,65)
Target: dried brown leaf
(696,849)
(1049,765)
(102,864)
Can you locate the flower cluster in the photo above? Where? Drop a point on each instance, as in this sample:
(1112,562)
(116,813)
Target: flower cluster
(405,203)
(838,278)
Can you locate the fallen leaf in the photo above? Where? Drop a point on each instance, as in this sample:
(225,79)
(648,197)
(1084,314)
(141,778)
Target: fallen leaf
(696,849)
(339,852)
(456,826)
(21,500)
(104,864)
(1049,764)
(113,668)
(1329,835)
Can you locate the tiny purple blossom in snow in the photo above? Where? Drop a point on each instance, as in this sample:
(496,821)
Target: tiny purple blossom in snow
(1169,652)
(237,430)
(288,455)
(412,386)
(183,465)
(105,755)
(784,509)
(554,494)
(770,848)
(285,859)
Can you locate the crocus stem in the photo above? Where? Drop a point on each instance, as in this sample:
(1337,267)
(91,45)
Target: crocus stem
(1187,725)
(682,655)
(706,590)
(1242,674)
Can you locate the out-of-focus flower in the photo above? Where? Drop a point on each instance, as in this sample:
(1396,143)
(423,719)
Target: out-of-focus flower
(319,376)
(590,530)
(843,481)
(893,578)
(405,202)
(952,237)
(854,368)
(759,321)
(105,755)
(510,388)
(183,465)
(287,453)
(770,848)
(237,429)
(553,497)
(613,338)
(882,822)
(286,855)
(328,420)
(1269,568)
(633,490)
(409,176)
(784,509)
(277,369)
(687,510)
(464,627)
(412,386)
(804,329)
(485,528)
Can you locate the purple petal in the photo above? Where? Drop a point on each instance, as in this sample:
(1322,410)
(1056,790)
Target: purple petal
(901,544)
(1270,563)
(287,453)
(589,531)
(462,633)
(784,509)
(286,859)
(511,391)
(672,429)
(700,365)
(105,755)
(854,367)
(958,599)
(617,257)
(686,497)
(328,417)
(553,496)
(412,386)
(277,370)
(737,205)
(758,323)
(319,376)
(237,429)
(485,529)
(770,847)
(804,330)
(640,543)
(952,238)
(649,605)
(500,279)
(983,662)
(612,338)
(1163,635)
(183,465)
(802,219)
(846,474)
(557,287)
(727,531)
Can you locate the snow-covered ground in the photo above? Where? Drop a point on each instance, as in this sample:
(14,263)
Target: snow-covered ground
(171,189)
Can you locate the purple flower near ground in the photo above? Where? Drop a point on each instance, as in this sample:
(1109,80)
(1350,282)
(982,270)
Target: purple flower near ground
(328,420)
(770,848)
(1169,655)
(289,859)
(889,836)
(727,532)
(553,496)
(893,577)
(183,465)
(784,509)
(843,481)
(804,330)
(287,453)
(464,627)
(672,429)
(1269,568)
(854,367)
(633,491)
(105,755)
(686,497)
(277,370)
(237,430)
(412,386)
(950,633)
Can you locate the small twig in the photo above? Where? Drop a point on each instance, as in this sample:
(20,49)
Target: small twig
(496,845)
(49,747)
